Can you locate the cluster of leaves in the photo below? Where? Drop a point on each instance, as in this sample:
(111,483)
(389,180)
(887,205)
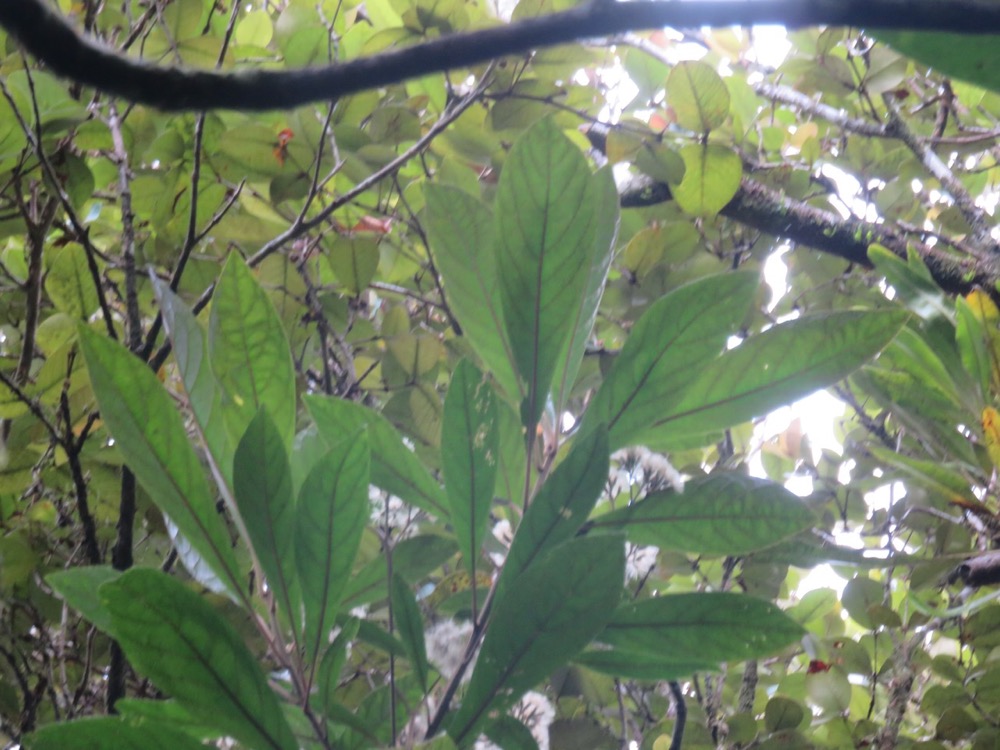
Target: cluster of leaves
(310,365)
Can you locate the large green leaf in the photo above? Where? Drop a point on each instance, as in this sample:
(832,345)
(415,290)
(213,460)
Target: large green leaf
(560,507)
(636,665)
(469,453)
(973,58)
(394,467)
(150,434)
(78,588)
(777,367)
(189,344)
(721,514)
(460,229)
(545,213)
(189,651)
(110,733)
(704,626)
(584,309)
(249,353)
(668,348)
(330,515)
(552,611)
(262,486)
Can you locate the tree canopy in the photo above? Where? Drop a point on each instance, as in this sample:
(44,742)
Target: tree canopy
(430,414)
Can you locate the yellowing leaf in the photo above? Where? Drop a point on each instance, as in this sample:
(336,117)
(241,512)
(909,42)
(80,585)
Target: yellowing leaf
(991,432)
(711,178)
(983,307)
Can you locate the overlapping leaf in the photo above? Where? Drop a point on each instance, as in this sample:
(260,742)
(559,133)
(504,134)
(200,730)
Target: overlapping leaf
(721,514)
(150,434)
(173,636)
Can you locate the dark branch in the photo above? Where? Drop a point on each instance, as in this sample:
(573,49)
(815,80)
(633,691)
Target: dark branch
(47,36)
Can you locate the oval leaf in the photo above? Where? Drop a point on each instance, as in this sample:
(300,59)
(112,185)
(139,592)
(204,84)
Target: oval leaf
(711,178)
(544,225)
(698,96)
(249,353)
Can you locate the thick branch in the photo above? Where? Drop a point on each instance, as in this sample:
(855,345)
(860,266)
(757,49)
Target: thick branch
(47,36)
(762,208)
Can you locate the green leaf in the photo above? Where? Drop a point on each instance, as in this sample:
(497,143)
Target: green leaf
(510,734)
(716,626)
(584,310)
(249,353)
(776,367)
(151,436)
(173,636)
(328,676)
(545,212)
(394,467)
(552,611)
(330,516)
(410,626)
(641,665)
(973,58)
(69,283)
(698,96)
(912,281)
(110,733)
(413,559)
(678,335)
(262,486)
(78,588)
(711,178)
(469,440)
(189,344)
(721,514)
(560,507)
(460,230)
(354,261)
(971,340)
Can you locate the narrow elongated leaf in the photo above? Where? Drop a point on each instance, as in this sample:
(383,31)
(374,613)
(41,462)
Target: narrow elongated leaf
(262,485)
(721,514)
(545,210)
(469,439)
(394,467)
(189,343)
(410,626)
(552,611)
(78,588)
(249,353)
(560,507)
(780,365)
(328,677)
(677,336)
(330,515)
(173,635)
(150,434)
(110,733)
(584,310)
(413,559)
(713,626)
(635,665)
(460,229)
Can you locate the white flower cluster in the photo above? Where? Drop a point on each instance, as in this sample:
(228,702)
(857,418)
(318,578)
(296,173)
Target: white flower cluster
(639,465)
(536,712)
(401,518)
(446,642)
(639,561)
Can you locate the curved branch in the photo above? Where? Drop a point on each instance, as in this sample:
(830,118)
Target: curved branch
(47,36)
